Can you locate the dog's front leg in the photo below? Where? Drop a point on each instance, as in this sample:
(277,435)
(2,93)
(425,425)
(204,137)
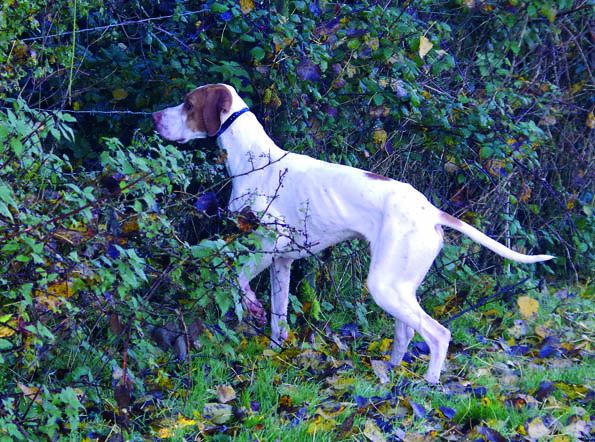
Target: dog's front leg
(249,300)
(280,274)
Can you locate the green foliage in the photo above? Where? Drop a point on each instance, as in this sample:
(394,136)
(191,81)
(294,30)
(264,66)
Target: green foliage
(95,251)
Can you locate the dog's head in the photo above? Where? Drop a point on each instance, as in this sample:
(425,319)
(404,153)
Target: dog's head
(199,116)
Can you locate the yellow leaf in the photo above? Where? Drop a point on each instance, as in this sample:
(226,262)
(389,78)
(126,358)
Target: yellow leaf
(385,345)
(527,306)
(170,428)
(8,329)
(56,292)
(590,121)
(246,6)
(6,332)
(30,393)
(320,424)
(119,94)
(424,46)
(184,421)
(379,136)
(165,433)
(339,383)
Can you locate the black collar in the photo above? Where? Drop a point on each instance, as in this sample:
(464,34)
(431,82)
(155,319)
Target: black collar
(233,117)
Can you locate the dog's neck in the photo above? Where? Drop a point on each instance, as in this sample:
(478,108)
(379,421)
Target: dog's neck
(248,146)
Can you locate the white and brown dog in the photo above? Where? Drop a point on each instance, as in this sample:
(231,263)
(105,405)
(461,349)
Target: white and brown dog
(313,204)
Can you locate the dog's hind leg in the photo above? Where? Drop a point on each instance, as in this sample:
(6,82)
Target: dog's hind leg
(399,263)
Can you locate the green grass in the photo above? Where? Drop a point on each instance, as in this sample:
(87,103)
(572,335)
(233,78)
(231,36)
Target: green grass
(310,392)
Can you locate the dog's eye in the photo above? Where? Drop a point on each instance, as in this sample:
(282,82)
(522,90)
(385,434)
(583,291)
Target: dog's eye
(187,106)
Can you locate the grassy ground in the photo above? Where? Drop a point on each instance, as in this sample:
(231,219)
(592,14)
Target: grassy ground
(508,377)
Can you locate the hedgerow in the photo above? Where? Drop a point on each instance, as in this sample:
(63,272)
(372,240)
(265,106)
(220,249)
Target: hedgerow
(116,243)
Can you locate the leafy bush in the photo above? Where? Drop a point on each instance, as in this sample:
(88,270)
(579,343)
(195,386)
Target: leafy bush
(86,253)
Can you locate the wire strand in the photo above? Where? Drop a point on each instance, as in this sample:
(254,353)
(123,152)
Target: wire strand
(113,25)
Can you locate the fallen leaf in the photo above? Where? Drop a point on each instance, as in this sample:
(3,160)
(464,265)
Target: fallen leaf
(527,306)
(225,393)
(418,410)
(446,412)
(490,434)
(424,46)
(381,370)
(340,344)
(321,424)
(577,427)
(544,390)
(372,432)
(32,393)
(536,429)
(170,428)
(217,413)
(573,391)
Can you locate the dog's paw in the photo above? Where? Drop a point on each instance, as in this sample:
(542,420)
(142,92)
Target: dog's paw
(432,379)
(277,339)
(257,311)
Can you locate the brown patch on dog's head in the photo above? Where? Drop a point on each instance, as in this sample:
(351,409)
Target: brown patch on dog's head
(203,108)
(375,176)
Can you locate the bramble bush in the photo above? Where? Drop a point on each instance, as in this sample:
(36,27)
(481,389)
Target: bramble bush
(111,237)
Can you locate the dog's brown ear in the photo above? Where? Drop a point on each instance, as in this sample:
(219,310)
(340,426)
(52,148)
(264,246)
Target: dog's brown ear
(218,99)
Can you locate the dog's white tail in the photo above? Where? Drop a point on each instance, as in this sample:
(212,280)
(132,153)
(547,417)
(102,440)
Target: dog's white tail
(450,221)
